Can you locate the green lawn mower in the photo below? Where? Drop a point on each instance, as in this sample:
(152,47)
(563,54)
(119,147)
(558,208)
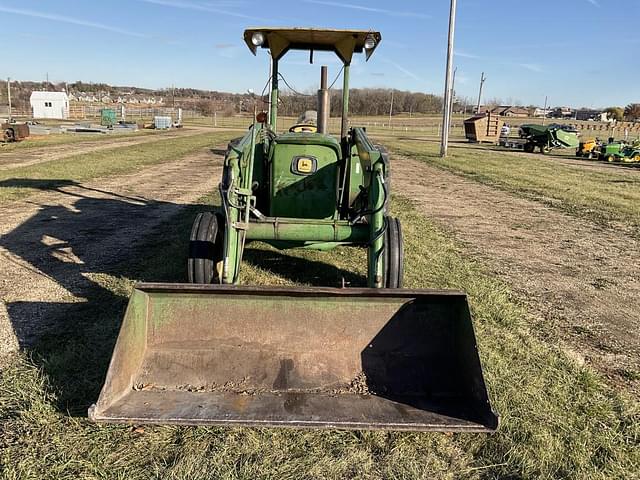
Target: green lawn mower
(621,151)
(214,352)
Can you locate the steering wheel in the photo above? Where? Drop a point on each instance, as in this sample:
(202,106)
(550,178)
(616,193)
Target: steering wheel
(303,128)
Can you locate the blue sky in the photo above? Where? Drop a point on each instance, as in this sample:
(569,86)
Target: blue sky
(578,52)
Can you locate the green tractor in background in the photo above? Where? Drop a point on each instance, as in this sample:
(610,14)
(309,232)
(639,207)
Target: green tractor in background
(620,151)
(212,352)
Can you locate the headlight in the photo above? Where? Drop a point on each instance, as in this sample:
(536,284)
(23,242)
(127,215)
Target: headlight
(369,42)
(257,39)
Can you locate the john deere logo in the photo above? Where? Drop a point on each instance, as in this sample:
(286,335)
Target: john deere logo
(304,165)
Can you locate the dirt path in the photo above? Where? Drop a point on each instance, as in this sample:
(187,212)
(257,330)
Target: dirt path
(579,278)
(32,156)
(52,244)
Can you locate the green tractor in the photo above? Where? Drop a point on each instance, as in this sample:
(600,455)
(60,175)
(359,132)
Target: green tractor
(214,352)
(620,151)
(303,188)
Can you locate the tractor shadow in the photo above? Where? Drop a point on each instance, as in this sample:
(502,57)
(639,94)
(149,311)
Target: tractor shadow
(74,251)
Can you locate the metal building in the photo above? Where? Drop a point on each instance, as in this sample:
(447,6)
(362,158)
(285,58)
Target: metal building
(50,105)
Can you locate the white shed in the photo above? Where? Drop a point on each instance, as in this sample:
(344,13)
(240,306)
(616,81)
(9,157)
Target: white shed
(50,105)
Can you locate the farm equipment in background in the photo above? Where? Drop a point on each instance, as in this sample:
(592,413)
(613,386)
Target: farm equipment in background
(621,151)
(108,117)
(213,352)
(14,132)
(589,148)
(548,137)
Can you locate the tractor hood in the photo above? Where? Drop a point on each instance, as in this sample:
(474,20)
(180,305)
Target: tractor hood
(343,42)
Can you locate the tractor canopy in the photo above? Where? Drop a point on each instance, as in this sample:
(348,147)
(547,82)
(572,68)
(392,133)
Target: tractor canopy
(343,42)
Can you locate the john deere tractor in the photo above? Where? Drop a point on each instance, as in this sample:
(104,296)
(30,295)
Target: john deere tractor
(216,352)
(621,151)
(302,188)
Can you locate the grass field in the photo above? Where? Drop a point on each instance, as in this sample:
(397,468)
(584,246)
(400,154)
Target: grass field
(611,196)
(19,182)
(558,419)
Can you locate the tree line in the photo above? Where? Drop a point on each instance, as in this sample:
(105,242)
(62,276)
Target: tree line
(630,113)
(364,101)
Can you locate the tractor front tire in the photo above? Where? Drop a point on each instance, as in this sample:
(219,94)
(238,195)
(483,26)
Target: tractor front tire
(205,248)
(393,254)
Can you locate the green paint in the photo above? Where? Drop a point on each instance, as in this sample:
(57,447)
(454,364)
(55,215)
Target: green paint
(352,234)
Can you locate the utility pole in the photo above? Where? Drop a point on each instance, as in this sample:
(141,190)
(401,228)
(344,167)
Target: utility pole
(453,95)
(173,96)
(453,89)
(391,109)
(446,118)
(482,80)
(544,112)
(9,96)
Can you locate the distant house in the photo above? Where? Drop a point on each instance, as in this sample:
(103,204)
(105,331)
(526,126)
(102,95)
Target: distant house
(50,105)
(562,112)
(540,112)
(589,114)
(515,112)
(509,111)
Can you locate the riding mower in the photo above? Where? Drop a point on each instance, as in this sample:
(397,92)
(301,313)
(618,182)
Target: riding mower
(589,148)
(215,352)
(621,151)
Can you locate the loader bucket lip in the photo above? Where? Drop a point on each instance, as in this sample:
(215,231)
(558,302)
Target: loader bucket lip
(294,291)
(322,403)
(418,345)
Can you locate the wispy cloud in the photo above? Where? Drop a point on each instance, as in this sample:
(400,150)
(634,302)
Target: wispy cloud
(594,3)
(394,13)
(401,69)
(458,53)
(71,20)
(530,66)
(210,8)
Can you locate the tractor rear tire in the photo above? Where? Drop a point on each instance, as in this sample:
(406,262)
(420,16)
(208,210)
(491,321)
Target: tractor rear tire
(205,248)
(529,147)
(393,254)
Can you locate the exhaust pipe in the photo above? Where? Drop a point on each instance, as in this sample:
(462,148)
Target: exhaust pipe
(324,104)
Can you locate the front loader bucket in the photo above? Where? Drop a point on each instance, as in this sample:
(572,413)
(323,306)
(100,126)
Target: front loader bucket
(302,357)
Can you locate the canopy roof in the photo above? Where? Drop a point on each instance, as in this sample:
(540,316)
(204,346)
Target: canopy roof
(343,42)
